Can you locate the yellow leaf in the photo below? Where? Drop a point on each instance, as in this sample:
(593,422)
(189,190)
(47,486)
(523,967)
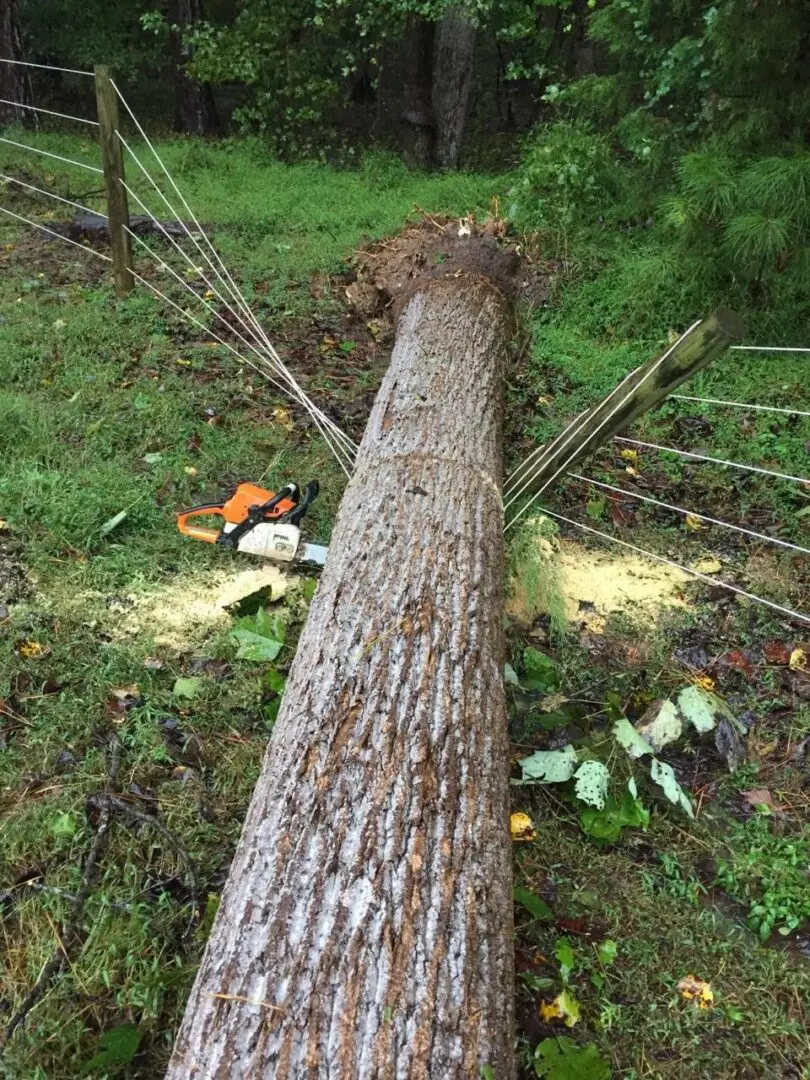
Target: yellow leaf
(521,827)
(4,526)
(708,565)
(798,660)
(693,989)
(629,455)
(705,682)
(32,650)
(208,294)
(543,400)
(189,470)
(693,523)
(632,471)
(283,416)
(564,1007)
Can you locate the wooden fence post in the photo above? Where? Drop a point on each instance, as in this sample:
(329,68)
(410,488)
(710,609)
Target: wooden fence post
(113,163)
(633,397)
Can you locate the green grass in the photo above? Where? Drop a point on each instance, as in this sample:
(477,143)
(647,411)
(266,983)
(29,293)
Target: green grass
(115,405)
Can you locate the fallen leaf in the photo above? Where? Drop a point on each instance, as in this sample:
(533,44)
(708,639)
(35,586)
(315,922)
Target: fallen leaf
(660,725)
(121,700)
(564,1007)
(739,660)
(31,650)
(535,905)
(562,1058)
(705,682)
(521,827)
(592,778)
(629,455)
(699,708)
(153,663)
(693,989)
(631,471)
(707,565)
(187,688)
(626,735)
(759,797)
(550,766)
(283,416)
(798,660)
(777,653)
(552,702)
(664,775)
(692,522)
(4,526)
(189,470)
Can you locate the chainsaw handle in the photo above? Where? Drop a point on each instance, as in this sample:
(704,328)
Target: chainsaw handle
(200,532)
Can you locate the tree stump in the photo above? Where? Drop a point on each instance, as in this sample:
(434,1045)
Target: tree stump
(366,926)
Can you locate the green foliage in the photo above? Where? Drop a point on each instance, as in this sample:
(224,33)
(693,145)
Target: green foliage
(767,873)
(117,1047)
(260,637)
(564,1059)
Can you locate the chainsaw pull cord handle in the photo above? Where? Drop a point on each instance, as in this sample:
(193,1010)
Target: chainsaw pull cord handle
(256,515)
(200,532)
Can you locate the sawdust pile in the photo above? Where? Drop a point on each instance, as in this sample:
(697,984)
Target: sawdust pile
(594,585)
(183,613)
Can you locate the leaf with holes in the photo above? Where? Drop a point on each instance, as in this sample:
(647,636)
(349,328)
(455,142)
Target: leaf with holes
(550,766)
(564,1007)
(592,783)
(664,775)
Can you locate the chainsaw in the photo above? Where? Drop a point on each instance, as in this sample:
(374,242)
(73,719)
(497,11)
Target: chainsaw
(259,522)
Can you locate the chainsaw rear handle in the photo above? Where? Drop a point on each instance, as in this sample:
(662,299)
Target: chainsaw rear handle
(200,532)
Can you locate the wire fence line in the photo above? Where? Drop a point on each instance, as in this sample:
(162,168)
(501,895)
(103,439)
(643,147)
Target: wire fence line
(738,404)
(254,338)
(713,460)
(45,67)
(49,112)
(50,154)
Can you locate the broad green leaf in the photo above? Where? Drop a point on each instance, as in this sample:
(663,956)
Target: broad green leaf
(540,671)
(605,826)
(535,905)
(664,776)
(255,646)
(564,953)
(564,1059)
(626,736)
(117,1046)
(187,688)
(510,676)
(64,825)
(113,522)
(592,783)
(550,766)
(664,728)
(606,951)
(699,708)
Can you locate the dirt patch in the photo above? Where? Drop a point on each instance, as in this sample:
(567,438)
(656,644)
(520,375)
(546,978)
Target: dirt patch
(388,273)
(14,582)
(180,615)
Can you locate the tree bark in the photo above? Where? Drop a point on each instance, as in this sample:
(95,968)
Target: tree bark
(365,930)
(417,109)
(194,110)
(452,79)
(15,83)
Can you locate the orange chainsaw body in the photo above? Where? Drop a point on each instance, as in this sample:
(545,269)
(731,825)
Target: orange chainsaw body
(234,511)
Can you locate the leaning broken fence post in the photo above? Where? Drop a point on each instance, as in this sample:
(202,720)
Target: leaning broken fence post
(365,930)
(640,392)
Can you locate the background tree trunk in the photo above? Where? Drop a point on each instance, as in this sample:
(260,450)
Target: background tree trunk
(15,82)
(417,109)
(365,930)
(194,111)
(455,49)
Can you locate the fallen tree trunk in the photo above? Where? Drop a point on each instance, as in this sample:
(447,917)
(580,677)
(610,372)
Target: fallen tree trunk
(366,926)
